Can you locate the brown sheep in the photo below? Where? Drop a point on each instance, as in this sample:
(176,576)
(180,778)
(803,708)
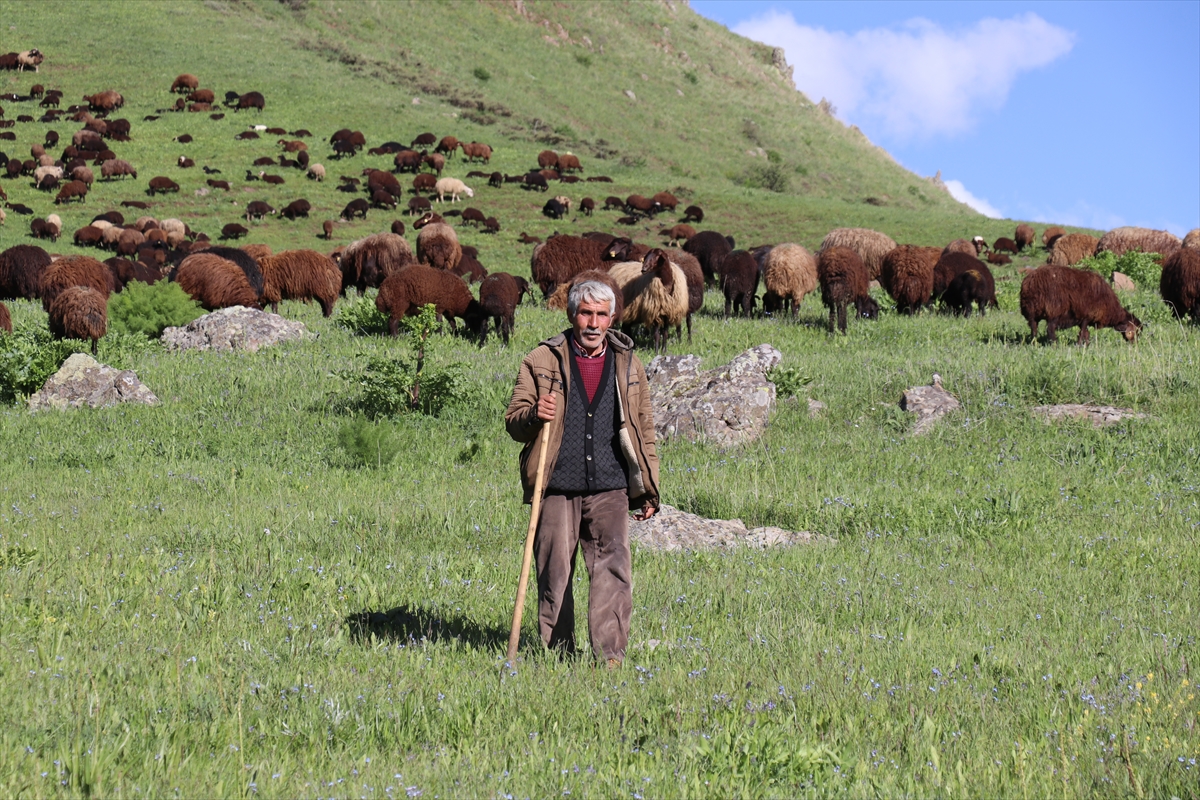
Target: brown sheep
(116,168)
(975,285)
(638,204)
(21,270)
(587,205)
(870,245)
(1005,245)
(1120,241)
(961,246)
(678,233)
(1072,248)
(405,292)
(568,161)
(907,275)
(88,236)
(104,101)
(424,183)
(300,275)
(447,145)
(469,268)
(623,248)
(83,175)
(215,282)
(560,258)
(694,278)
(475,150)
(185,83)
(205,96)
(547,159)
(665,200)
(1192,240)
(367,261)
(948,267)
(162,185)
(1050,236)
(72,271)
(739,281)
(6,319)
(258,252)
(72,190)
(500,294)
(789,273)
(437,246)
(1024,236)
(844,280)
(1065,297)
(710,249)
(79,312)
(998,258)
(129,241)
(1180,282)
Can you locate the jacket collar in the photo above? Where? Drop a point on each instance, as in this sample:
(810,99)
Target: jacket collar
(616,340)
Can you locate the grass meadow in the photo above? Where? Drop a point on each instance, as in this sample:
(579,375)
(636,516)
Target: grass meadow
(211,597)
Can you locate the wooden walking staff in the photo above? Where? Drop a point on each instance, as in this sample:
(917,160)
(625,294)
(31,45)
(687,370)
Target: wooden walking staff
(514,636)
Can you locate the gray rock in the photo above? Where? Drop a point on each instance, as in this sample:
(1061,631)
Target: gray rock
(235,328)
(929,403)
(727,406)
(815,408)
(671,529)
(83,381)
(1099,415)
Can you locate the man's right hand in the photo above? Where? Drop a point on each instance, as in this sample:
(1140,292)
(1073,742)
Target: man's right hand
(545,407)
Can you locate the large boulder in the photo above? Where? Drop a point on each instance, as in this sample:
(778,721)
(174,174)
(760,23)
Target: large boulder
(726,406)
(672,529)
(233,328)
(83,381)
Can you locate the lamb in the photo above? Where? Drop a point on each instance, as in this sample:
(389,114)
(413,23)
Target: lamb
(739,281)
(21,269)
(72,271)
(525,238)
(453,187)
(790,273)
(907,275)
(1065,297)
(215,282)
(1120,241)
(72,190)
(316,172)
(560,258)
(367,261)
(535,181)
(162,185)
(1005,245)
(656,298)
(495,180)
(185,83)
(437,245)
(43,229)
(1024,236)
(233,230)
(500,294)
(300,275)
(1180,282)
(871,246)
(223,185)
(998,258)
(116,168)
(405,292)
(844,280)
(1072,248)
(407,160)
(975,285)
(1050,236)
(710,249)
(79,312)
(693,214)
(6,320)
(327,229)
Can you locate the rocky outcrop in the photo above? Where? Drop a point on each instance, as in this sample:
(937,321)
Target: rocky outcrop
(929,403)
(671,529)
(83,381)
(1100,416)
(726,406)
(234,328)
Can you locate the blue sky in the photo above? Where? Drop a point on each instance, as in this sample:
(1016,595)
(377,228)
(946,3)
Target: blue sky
(1083,113)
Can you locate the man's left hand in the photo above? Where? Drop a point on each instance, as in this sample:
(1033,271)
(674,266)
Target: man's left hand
(646,513)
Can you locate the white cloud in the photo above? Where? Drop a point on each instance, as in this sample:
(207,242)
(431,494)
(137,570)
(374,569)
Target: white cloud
(960,193)
(918,80)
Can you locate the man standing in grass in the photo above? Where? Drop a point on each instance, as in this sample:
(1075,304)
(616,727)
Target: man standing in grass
(601,462)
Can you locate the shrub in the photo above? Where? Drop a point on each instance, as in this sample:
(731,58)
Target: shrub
(367,443)
(692,77)
(771,177)
(362,317)
(583,59)
(482,74)
(1143,268)
(28,356)
(148,309)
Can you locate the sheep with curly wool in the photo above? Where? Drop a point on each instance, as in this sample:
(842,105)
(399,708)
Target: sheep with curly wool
(79,312)
(215,282)
(1120,241)
(557,260)
(871,246)
(368,261)
(1072,248)
(300,275)
(72,271)
(437,246)
(500,294)
(789,274)
(844,281)
(907,275)
(406,291)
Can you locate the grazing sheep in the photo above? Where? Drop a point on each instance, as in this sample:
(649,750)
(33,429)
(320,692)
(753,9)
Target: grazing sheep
(79,312)
(637,204)
(21,270)
(256,251)
(72,271)
(251,100)
(367,261)
(104,101)
(405,292)
(1024,236)
(789,274)
(6,321)
(300,275)
(1005,245)
(907,275)
(560,258)
(469,268)
(437,246)
(710,249)
(998,258)
(72,190)
(419,205)
(43,229)
(1072,248)
(83,175)
(257,209)
(435,162)
(546,159)
(327,229)
(274,180)
(1120,241)
(88,236)
(739,281)
(162,185)
(316,172)
(447,145)
(678,233)
(215,282)
(295,209)
(587,205)
(844,280)
(554,209)
(185,83)
(948,267)
(424,140)
(870,245)
(500,294)
(612,202)
(1065,297)
(234,231)
(1192,240)
(129,241)
(1050,236)
(116,168)
(496,180)
(424,183)
(975,285)
(453,187)
(475,150)
(534,180)
(1180,282)
(693,214)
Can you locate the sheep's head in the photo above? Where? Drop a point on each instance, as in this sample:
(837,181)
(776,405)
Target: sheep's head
(1130,327)
(655,259)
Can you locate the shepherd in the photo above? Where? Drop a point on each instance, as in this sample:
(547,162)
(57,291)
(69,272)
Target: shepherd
(585,391)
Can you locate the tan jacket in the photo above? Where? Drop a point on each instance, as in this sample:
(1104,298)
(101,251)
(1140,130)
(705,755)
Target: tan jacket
(546,369)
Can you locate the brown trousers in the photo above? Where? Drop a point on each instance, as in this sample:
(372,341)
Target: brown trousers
(599,525)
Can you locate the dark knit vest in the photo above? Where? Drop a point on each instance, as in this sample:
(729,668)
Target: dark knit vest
(589,458)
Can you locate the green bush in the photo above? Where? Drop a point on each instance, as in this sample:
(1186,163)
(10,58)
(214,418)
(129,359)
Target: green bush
(1143,268)
(361,316)
(482,74)
(148,309)
(367,443)
(692,77)
(28,356)
(583,59)
(771,177)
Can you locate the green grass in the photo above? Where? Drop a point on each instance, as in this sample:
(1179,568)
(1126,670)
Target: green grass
(224,595)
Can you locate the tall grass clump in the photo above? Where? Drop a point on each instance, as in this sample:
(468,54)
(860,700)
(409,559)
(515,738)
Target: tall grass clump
(151,308)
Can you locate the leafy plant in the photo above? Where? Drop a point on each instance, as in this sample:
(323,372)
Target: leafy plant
(1143,268)
(149,308)
(482,74)
(771,177)
(752,759)
(361,316)
(28,356)
(789,382)
(368,443)
(691,77)
(583,59)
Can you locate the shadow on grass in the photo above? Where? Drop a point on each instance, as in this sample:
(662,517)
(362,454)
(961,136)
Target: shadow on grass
(415,625)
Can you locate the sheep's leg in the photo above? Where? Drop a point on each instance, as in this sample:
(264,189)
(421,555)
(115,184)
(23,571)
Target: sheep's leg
(1051,331)
(841,313)
(1033,326)
(728,305)
(832,318)
(1084,334)
(393,326)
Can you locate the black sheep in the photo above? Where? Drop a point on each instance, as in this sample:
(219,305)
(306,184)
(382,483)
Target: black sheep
(710,249)
(739,281)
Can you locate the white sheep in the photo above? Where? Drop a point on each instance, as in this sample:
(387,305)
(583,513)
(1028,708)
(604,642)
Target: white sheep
(110,236)
(790,272)
(29,58)
(316,172)
(453,187)
(655,293)
(41,173)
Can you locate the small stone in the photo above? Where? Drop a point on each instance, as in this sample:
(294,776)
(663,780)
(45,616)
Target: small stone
(416,101)
(815,407)
(1123,283)
(83,381)
(929,403)
(1101,416)
(235,328)
(629,93)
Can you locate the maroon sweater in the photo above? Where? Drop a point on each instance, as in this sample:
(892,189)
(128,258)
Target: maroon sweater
(590,368)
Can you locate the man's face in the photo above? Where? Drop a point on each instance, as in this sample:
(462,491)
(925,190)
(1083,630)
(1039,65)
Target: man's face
(590,324)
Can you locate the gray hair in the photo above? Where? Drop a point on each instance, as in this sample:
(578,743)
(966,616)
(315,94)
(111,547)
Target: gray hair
(590,292)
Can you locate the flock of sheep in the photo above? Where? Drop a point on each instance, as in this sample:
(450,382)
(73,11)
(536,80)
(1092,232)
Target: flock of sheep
(658,288)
